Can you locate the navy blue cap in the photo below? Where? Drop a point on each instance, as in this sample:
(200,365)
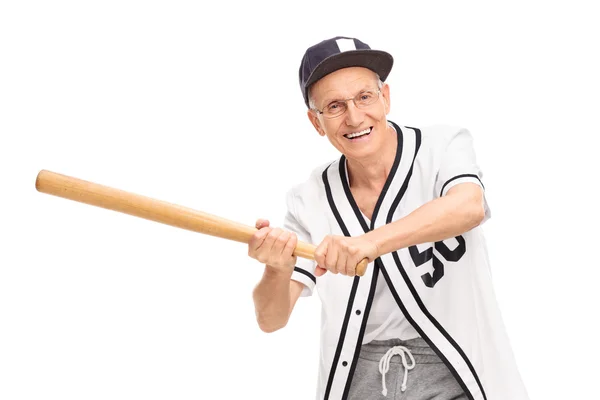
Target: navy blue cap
(340,52)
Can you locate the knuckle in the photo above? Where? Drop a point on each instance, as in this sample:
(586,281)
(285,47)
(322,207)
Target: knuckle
(263,232)
(283,238)
(275,232)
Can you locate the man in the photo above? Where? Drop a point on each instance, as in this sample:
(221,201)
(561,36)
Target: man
(422,322)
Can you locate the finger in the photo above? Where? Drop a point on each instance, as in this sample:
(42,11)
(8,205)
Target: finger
(290,246)
(342,259)
(270,241)
(321,251)
(257,239)
(261,223)
(280,243)
(264,253)
(331,257)
(320,271)
(351,260)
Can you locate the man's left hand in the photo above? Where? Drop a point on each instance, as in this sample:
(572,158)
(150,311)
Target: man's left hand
(341,254)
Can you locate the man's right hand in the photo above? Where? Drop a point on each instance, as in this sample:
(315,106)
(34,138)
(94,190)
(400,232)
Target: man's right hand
(273,246)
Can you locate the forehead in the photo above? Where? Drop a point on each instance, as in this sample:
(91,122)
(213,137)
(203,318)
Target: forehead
(343,83)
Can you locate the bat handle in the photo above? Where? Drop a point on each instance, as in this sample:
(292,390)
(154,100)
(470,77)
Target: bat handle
(307,250)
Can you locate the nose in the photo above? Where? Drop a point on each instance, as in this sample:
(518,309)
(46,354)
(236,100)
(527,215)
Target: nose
(354,116)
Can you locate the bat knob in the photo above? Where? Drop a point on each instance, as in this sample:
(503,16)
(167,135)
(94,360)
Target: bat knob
(361,268)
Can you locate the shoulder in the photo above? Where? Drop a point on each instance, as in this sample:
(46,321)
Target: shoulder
(436,136)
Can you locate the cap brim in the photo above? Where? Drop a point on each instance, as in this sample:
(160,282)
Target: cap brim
(377,61)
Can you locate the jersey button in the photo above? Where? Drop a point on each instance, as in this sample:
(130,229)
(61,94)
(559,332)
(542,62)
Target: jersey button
(357,312)
(344,363)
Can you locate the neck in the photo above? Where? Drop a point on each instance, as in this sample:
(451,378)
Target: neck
(372,173)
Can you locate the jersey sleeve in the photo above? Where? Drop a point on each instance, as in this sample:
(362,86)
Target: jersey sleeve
(459,165)
(304,271)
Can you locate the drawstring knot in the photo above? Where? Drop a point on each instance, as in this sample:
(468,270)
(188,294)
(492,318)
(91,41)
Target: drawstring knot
(384,365)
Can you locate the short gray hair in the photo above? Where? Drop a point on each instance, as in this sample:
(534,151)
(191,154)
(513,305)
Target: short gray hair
(311,102)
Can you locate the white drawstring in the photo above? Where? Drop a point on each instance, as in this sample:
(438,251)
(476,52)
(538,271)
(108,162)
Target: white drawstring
(384,365)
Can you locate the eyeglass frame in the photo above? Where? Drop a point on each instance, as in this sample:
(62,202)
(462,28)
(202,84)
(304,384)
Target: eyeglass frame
(378,91)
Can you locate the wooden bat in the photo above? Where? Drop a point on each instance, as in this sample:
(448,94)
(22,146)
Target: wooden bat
(157,210)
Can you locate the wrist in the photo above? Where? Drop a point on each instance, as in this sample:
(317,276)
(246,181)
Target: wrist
(278,272)
(376,242)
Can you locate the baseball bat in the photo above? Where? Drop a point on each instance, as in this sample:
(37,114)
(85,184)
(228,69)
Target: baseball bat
(157,210)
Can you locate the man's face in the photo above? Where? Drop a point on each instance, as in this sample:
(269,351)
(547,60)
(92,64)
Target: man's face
(344,84)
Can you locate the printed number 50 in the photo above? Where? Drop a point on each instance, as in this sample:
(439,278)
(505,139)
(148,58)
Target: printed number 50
(421,258)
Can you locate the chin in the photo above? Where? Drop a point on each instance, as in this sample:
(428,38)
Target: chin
(364,153)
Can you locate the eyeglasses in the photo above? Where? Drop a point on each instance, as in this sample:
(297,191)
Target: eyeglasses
(339,107)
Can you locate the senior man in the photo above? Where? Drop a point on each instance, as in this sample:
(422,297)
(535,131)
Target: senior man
(423,322)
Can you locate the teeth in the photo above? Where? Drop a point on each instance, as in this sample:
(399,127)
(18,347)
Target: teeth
(357,134)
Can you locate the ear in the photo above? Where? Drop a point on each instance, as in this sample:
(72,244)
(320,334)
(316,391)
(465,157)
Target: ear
(385,93)
(314,119)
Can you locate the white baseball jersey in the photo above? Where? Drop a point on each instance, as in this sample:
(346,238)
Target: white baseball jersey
(443,289)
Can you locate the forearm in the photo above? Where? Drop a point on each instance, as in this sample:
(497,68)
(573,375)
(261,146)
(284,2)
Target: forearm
(272,299)
(439,219)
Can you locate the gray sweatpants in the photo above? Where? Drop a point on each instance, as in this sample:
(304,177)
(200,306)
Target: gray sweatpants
(428,379)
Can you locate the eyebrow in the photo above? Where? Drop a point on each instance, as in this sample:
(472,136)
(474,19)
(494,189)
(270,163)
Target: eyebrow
(329,100)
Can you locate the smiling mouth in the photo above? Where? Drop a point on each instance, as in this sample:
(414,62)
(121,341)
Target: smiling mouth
(355,135)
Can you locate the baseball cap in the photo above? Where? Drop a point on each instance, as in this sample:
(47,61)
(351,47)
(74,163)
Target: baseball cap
(340,52)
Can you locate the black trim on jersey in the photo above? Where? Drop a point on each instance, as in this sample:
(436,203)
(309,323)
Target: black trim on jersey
(407,179)
(417,297)
(311,276)
(388,183)
(346,187)
(363,327)
(338,350)
(458,177)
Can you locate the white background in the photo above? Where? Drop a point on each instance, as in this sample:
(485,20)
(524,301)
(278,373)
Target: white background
(198,104)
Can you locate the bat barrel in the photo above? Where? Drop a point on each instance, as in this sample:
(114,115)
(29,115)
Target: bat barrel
(141,206)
